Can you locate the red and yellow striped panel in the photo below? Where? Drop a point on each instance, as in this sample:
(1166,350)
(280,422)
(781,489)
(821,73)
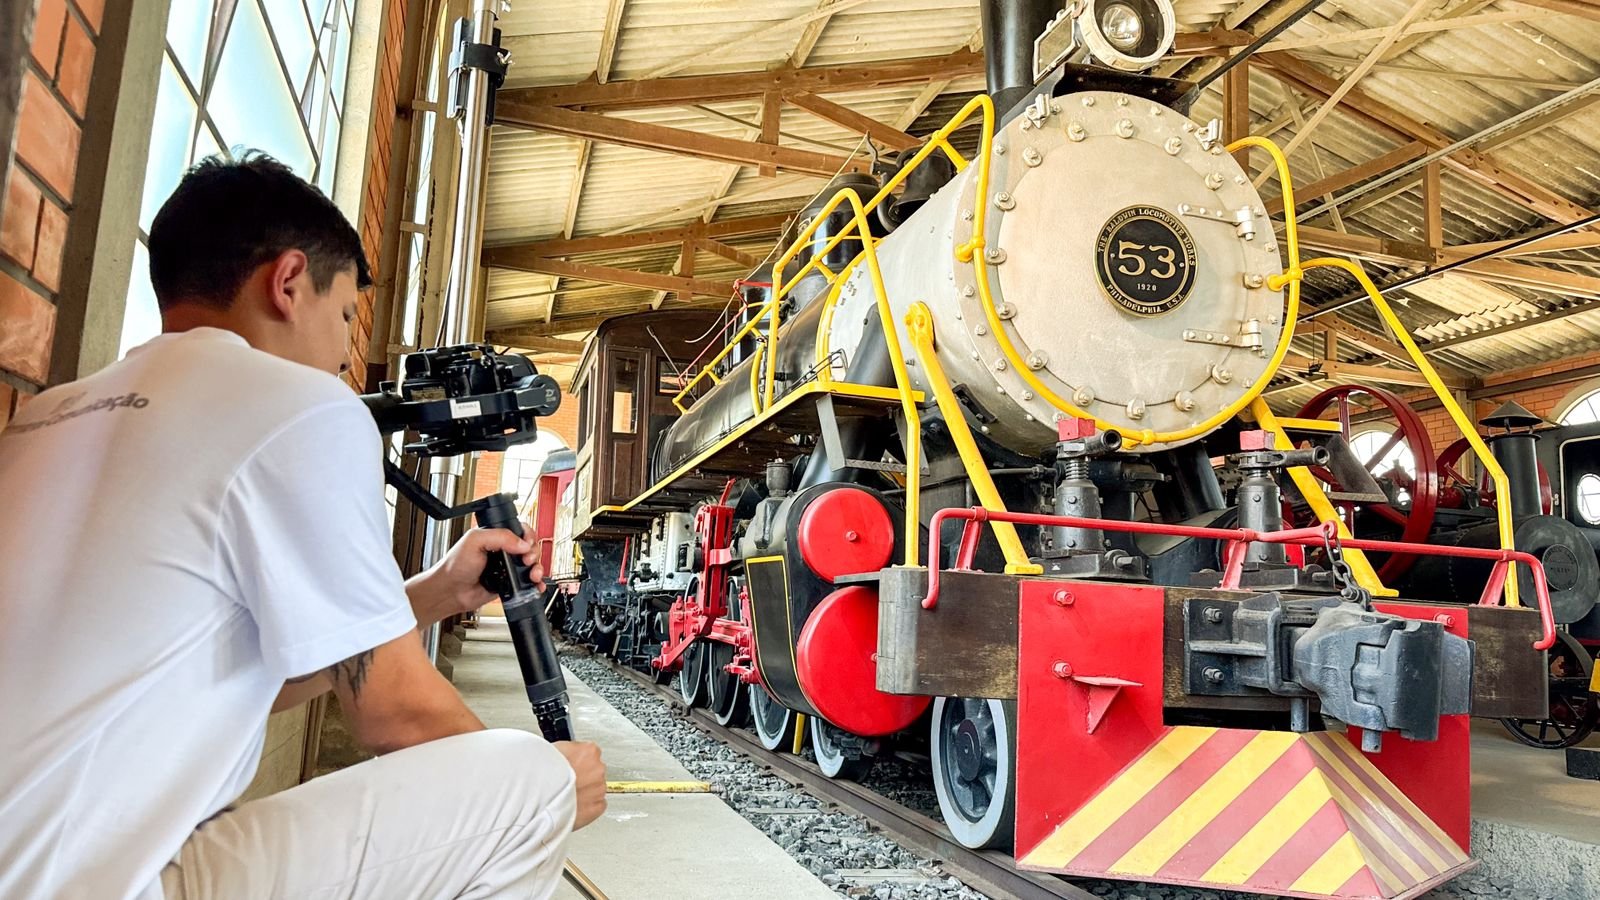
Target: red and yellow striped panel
(1302,815)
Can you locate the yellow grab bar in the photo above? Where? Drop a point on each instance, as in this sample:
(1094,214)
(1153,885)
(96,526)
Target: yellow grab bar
(1502,484)
(919,324)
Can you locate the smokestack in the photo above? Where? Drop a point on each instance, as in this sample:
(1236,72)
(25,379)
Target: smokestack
(1009,29)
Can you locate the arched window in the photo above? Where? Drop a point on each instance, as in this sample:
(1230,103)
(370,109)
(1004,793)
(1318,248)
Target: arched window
(1367,443)
(520,468)
(1582,411)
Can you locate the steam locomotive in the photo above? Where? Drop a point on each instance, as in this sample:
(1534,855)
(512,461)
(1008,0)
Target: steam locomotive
(978,464)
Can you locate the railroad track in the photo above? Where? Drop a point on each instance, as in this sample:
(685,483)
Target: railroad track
(992,872)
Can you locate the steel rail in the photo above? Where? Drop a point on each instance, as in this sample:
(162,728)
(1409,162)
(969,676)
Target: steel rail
(989,871)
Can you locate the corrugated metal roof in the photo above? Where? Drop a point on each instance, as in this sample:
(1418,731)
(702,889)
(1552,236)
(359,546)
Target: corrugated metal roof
(1458,80)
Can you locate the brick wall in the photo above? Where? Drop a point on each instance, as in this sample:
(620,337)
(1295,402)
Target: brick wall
(38,200)
(1544,401)
(380,154)
(564,423)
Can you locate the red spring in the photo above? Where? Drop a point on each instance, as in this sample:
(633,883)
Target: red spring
(1239,539)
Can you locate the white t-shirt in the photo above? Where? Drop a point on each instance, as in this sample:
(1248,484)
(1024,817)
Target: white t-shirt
(179,533)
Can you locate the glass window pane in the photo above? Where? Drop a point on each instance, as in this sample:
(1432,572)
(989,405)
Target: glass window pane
(416,259)
(205,144)
(141,320)
(293,32)
(313,100)
(328,154)
(420,198)
(250,103)
(169,141)
(188,32)
(336,54)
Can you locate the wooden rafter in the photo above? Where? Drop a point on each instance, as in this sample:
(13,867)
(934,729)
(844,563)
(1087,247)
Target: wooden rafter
(844,117)
(1341,370)
(582,323)
(536,342)
(771,127)
(761,32)
(1236,108)
(1335,326)
(1354,175)
(734,254)
(1388,37)
(811,34)
(627,133)
(652,238)
(1543,84)
(1409,29)
(1432,206)
(652,281)
(1479,167)
(693,89)
(1580,240)
(608,41)
(1495,271)
(1580,8)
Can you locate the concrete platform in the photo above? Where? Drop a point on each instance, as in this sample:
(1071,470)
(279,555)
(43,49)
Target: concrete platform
(1531,824)
(647,846)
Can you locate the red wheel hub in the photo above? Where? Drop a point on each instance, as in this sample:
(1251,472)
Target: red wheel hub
(835,659)
(845,532)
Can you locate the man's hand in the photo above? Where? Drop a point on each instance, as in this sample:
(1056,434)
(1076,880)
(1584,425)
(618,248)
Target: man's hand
(584,758)
(452,587)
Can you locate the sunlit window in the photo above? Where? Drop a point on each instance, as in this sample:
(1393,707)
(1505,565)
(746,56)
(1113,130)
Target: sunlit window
(258,74)
(1367,445)
(1583,412)
(520,467)
(1589,498)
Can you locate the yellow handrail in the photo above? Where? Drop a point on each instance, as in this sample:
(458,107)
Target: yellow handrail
(1502,484)
(919,324)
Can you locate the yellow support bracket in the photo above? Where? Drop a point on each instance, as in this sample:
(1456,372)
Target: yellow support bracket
(919,323)
(1360,566)
(1292,424)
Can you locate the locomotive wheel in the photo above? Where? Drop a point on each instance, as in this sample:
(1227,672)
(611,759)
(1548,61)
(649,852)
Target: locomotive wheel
(1413,522)
(726,696)
(729,702)
(658,634)
(692,680)
(774,722)
(834,757)
(1451,481)
(973,744)
(1574,712)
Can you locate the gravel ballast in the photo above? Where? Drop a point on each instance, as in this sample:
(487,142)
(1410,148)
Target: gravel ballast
(839,847)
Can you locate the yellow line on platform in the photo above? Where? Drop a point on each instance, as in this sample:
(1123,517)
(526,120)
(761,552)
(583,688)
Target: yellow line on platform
(657,787)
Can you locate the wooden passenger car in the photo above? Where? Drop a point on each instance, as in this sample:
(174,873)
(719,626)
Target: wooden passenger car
(625,383)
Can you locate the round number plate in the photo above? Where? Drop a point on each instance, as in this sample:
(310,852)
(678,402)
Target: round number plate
(1144,259)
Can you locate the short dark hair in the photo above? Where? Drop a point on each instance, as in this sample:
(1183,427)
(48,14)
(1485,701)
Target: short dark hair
(226,218)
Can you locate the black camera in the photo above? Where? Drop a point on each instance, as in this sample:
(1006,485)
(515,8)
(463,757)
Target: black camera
(464,398)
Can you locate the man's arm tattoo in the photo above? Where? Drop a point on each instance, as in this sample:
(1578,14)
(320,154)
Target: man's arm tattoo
(352,672)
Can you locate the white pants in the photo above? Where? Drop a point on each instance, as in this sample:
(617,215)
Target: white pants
(472,816)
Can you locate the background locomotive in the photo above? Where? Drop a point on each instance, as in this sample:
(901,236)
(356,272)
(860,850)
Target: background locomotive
(1069,324)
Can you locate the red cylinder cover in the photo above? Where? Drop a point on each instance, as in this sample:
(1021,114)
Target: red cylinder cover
(835,661)
(845,532)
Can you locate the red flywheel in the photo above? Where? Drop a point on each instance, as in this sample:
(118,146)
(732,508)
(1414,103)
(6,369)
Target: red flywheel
(1413,517)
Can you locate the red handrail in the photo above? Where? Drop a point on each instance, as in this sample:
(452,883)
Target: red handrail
(1238,540)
